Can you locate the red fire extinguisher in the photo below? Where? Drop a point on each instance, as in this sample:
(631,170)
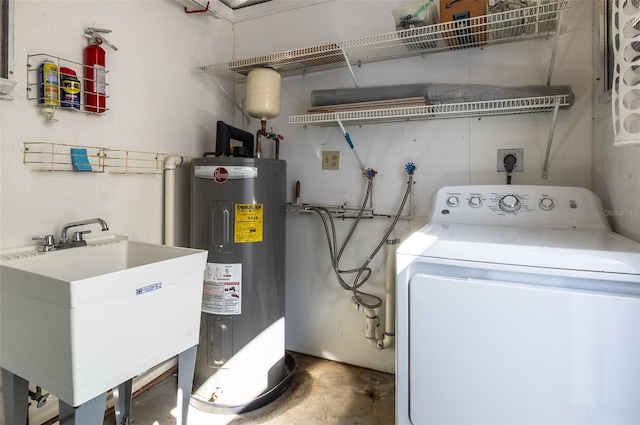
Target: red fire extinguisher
(94,70)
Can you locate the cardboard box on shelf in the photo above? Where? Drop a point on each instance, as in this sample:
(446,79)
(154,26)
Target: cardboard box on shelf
(461,16)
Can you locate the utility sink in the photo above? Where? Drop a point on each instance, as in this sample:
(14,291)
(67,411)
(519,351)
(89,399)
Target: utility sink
(81,321)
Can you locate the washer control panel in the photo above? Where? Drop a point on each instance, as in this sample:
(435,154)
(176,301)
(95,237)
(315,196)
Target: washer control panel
(553,206)
(509,203)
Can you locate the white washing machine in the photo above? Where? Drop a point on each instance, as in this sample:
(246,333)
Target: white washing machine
(518,305)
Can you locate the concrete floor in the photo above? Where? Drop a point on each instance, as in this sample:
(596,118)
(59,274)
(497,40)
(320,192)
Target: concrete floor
(321,392)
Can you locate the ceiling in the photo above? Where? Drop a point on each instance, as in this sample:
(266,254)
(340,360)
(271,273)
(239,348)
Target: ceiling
(243,10)
(237,4)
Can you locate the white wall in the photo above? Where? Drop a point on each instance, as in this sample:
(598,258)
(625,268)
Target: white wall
(157,103)
(616,174)
(320,320)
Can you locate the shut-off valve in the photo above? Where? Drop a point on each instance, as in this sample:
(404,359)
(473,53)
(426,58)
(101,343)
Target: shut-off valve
(410,167)
(370,173)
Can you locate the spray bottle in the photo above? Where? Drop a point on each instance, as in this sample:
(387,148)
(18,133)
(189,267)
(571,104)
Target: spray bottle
(94,70)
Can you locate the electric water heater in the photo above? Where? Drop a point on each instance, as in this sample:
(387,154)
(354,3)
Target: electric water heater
(238,214)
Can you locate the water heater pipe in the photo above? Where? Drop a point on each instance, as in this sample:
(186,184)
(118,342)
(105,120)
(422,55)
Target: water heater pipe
(272,136)
(262,131)
(170,164)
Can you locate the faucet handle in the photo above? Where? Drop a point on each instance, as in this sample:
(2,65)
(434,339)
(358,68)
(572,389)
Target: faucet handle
(77,236)
(48,242)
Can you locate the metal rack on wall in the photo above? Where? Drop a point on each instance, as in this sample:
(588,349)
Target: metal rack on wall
(34,84)
(47,156)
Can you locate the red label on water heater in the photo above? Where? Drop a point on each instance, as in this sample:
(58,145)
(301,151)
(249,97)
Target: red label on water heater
(220,175)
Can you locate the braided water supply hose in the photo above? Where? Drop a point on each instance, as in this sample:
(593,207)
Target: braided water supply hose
(372,319)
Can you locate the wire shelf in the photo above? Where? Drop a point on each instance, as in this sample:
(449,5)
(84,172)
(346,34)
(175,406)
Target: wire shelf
(437,111)
(34,92)
(528,22)
(47,156)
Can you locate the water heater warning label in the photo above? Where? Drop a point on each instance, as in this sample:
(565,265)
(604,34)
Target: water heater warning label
(222,290)
(248,224)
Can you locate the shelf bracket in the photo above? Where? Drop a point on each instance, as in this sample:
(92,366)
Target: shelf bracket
(346,60)
(556,36)
(556,107)
(226,93)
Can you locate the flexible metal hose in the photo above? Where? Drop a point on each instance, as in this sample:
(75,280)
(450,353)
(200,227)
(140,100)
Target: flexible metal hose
(363,272)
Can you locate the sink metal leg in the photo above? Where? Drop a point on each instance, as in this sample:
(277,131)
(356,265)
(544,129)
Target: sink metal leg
(122,402)
(186,368)
(16,398)
(90,412)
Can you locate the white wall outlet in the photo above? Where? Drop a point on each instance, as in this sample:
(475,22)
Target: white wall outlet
(518,153)
(330,160)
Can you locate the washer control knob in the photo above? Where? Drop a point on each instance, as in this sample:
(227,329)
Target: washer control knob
(546,204)
(453,201)
(475,201)
(509,203)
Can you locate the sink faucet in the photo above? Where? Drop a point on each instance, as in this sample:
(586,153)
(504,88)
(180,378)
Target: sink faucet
(78,236)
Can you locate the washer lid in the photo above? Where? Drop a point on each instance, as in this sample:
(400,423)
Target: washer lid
(572,249)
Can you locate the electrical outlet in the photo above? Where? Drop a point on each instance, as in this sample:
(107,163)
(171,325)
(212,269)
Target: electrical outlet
(518,153)
(330,160)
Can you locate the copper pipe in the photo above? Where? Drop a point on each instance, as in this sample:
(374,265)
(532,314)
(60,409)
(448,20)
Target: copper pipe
(272,136)
(261,132)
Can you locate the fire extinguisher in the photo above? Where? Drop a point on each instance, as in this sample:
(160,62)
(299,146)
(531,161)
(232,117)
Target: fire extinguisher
(94,70)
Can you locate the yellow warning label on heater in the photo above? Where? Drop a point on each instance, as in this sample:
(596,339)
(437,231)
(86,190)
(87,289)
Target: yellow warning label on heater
(248,224)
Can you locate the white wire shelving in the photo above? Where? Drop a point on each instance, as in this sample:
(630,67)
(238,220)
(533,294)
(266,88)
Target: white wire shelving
(526,105)
(537,21)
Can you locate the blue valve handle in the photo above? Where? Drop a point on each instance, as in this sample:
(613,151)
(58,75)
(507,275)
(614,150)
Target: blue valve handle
(410,167)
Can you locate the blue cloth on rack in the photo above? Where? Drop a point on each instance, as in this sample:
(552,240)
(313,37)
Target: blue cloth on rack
(80,160)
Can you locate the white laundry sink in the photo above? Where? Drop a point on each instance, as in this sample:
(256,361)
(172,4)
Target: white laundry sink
(81,321)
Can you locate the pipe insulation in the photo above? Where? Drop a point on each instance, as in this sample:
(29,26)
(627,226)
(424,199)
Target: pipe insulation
(438,93)
(170,164)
